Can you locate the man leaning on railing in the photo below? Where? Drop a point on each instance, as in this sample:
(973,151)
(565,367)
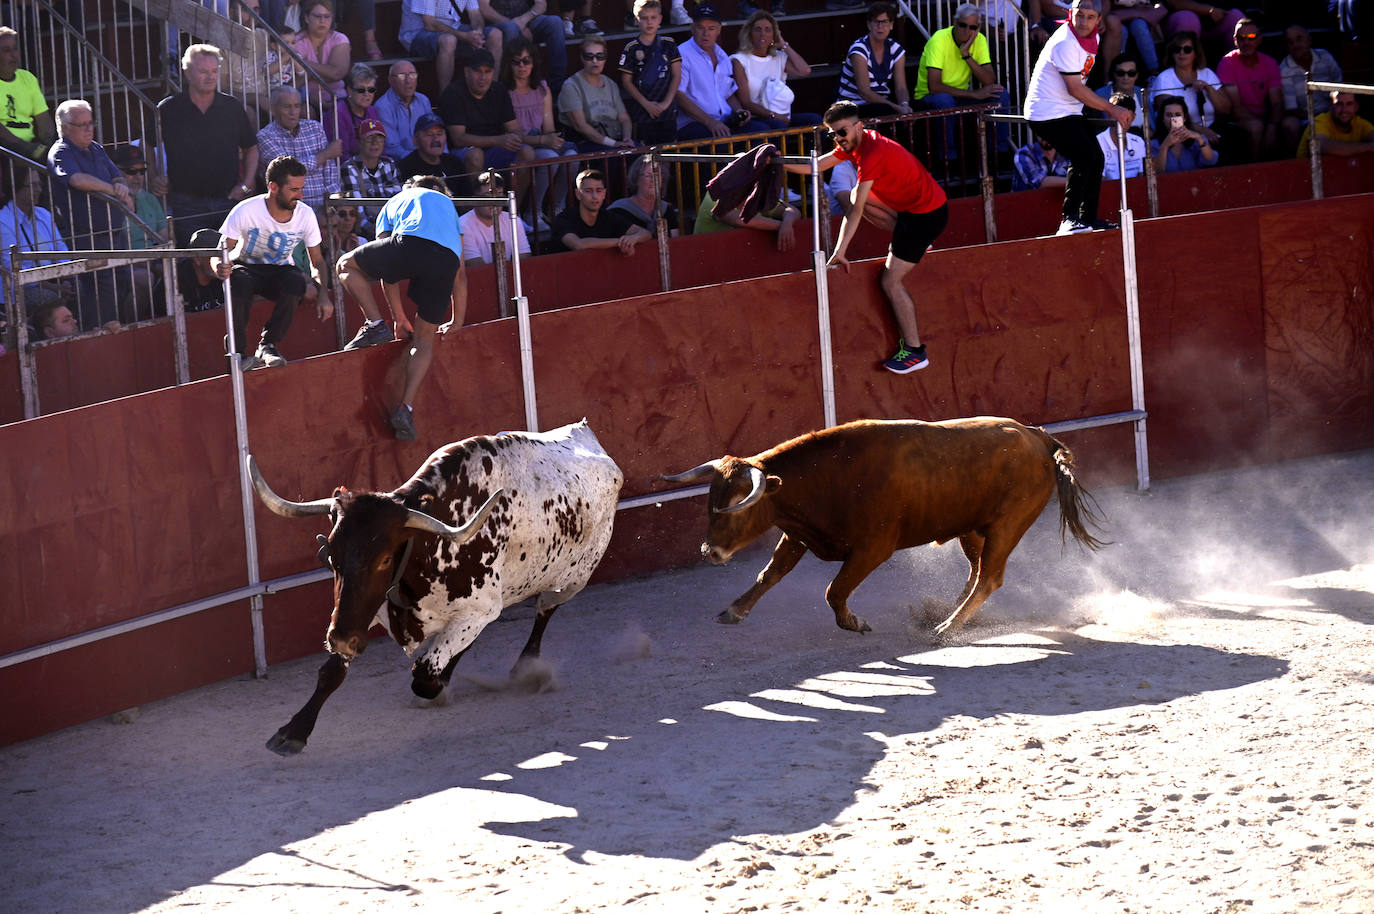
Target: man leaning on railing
(26,125)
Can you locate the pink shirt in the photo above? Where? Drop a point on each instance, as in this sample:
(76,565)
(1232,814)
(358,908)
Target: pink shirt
(1254,82)
(306,49)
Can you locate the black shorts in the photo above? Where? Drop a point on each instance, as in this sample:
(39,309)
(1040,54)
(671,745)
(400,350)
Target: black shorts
(429,266)
(915,232)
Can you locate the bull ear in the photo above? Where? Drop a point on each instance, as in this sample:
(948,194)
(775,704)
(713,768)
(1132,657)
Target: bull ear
(278,505)
(457,535)
(695,473)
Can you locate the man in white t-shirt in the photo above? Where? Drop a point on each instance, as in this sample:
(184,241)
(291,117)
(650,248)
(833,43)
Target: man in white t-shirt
(262,234)
(1054,106)
(1135,145)
(481,225)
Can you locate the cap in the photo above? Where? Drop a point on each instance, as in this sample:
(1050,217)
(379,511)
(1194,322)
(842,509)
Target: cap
(1094,5)
(427,121)
(480,58)
(126,156)
(705,11)
(371,126)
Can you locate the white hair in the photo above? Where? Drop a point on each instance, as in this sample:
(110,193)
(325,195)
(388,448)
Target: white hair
(64,112)
(195,50)
(966,9)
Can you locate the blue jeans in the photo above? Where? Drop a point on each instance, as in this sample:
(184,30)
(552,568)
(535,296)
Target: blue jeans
(1138,34)
(548,31)
(938,101)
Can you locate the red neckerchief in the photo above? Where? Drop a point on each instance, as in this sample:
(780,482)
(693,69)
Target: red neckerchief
(1088,44)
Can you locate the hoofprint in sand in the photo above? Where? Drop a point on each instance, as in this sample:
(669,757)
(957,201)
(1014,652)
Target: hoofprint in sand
(1181,722)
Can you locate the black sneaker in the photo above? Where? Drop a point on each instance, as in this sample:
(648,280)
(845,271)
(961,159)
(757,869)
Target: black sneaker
(249,362)
(906,360)
(1104,225)
(403,424)
(269,356)
(370,334)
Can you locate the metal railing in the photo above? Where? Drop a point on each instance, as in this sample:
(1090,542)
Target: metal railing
(1315,155)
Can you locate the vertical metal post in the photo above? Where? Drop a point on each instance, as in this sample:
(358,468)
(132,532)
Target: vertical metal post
(250,530)
(987,182)
(1132,289)
(522,316)
(1313,154)
(659,215)
(28,365)
(818,259)
(172,295)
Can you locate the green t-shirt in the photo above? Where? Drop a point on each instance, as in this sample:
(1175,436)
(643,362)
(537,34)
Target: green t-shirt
(943,53)
(20,101)
(708,223)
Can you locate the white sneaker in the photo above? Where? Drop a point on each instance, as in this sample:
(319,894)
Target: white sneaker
(679,15)
(1072,227)
(567,28)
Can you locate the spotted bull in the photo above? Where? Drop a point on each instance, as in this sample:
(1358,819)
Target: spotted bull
(858,492)
(483,524)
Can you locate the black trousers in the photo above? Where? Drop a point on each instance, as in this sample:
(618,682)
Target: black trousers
(284,285)
(1076,137)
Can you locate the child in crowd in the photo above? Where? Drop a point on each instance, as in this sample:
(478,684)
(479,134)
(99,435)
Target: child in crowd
(650,72)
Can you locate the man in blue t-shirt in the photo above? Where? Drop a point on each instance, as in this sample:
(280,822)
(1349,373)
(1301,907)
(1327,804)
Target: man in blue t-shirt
(418,239)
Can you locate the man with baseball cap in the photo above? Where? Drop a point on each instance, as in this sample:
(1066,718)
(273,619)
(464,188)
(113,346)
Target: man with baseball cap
(418,239)
(429,157)
(371,173)
(1054,106)
(708,96)
(481,120)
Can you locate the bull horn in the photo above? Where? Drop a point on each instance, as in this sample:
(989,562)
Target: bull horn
(418,520)
(702,472)
(278,505)
(760,482)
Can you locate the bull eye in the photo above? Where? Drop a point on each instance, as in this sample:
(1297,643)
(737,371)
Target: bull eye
(323,554)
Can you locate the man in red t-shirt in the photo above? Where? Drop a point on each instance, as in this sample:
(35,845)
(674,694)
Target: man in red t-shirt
(896,193)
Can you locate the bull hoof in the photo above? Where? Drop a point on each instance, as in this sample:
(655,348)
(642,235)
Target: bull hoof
(856,624)
(727,617)
(428,689)
(284,745)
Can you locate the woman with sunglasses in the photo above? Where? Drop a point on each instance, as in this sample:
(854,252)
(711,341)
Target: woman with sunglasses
(353,109)
(533,103)
(1125,75)
(590,105)
(1189,77)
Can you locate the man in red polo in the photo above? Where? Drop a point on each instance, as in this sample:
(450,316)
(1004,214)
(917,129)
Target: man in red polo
(897,194)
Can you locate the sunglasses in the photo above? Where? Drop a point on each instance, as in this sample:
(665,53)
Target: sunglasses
(1124,73)
(1247,38)
(968,27)
(881,21)
(601,55)
(365,90)
(524,61)
(141,170)
(1184,49)
(840,132)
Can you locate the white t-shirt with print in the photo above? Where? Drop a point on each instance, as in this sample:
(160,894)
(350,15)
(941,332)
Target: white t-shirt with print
(1048,98)
(264,240)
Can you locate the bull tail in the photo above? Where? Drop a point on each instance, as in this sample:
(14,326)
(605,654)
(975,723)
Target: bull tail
(1078,510)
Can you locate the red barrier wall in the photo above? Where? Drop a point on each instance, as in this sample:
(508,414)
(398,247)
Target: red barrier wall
(1257,331)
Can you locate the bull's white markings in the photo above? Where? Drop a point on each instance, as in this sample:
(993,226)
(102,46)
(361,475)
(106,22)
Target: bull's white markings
(564,465)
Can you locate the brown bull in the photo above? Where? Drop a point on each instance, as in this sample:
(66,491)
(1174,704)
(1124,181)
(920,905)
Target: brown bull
(858,492)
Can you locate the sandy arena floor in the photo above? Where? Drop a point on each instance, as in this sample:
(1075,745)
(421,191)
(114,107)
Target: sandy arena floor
(1180,723)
